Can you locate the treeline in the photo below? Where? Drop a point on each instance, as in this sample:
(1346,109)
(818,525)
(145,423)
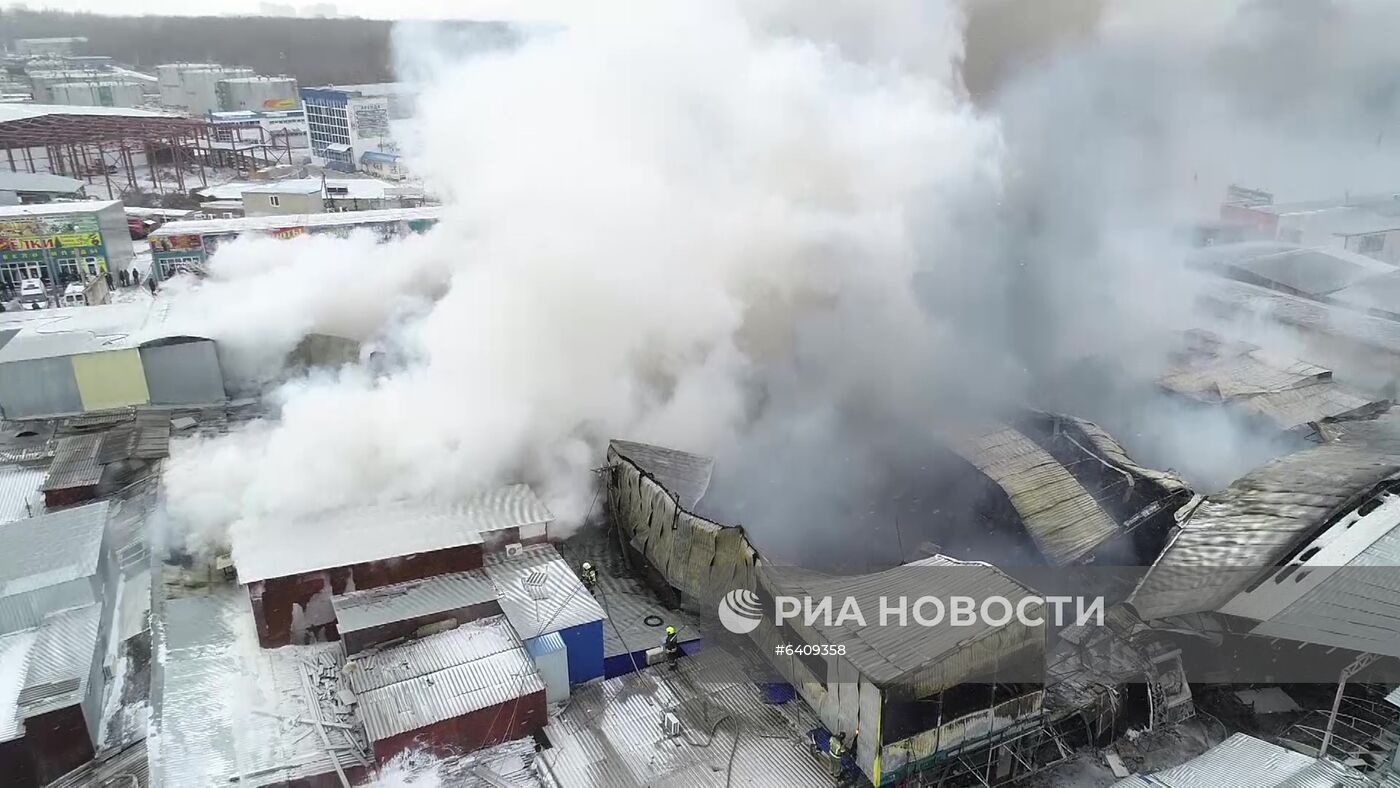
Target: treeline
(315,51)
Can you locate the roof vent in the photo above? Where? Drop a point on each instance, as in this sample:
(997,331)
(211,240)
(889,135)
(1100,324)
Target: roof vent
(535,583)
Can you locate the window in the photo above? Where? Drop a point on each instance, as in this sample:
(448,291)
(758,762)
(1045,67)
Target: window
(274,201)
(1369,244)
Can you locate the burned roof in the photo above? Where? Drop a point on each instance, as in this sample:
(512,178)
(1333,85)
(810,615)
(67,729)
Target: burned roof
(685,475)
(901,654)
(281,547)
(1062,517)
(1235,535)
(1288,392)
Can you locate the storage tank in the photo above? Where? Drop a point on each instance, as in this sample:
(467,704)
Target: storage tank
(104,93)
(41,82)
(259,94)
(195,85)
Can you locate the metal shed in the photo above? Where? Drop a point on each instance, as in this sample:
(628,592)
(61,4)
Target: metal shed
(182,371)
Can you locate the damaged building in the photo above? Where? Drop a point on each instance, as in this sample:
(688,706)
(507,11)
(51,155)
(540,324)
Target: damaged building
(939,702)
(1302,549)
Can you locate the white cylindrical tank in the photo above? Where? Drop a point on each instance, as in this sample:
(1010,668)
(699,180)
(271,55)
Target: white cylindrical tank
(258,94)
(109,93)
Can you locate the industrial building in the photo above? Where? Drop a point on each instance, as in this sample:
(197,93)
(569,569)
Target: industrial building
(456,691)
(186,246)
(298,196)
(257,94)
(1300,549)
(87,359)
(902,686)
(382,164)
(292,569)
(193,88)
(348,121)
(62,242)
(1367,225)
(278,128)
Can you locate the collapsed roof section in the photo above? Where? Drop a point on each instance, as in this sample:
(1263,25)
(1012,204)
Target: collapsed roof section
(1235,536)
(685,475)
(1290,394)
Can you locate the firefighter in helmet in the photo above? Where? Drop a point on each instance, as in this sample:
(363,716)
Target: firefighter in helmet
(589,575)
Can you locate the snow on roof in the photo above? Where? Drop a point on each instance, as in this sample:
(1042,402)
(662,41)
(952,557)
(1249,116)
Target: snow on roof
(56,208)
(268,223)
(52,548)
(38,182)
(230,710)
(48,333)
(14,659)
(14,112)
(60,662)
(472,667)
(359,610)
(540,593)
(280,547)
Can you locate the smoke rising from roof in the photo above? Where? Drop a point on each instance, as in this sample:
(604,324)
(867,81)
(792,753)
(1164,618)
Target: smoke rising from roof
(695,222)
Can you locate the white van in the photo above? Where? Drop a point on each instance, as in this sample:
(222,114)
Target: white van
(32,294)
(75,294)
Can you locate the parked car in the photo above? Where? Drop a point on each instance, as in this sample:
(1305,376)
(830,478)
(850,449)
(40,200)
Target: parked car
(32,294)
(139,228)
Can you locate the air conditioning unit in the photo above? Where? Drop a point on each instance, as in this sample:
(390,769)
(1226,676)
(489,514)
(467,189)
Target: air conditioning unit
(670,725)
(515,550)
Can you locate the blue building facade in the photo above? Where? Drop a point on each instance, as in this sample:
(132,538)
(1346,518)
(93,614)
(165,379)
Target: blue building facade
(585,646)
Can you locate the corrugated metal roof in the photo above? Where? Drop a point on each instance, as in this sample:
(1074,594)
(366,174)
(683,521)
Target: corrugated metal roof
(1311,272)
(278,547)
(51,548)
(683,474)
(471,641)
(229,710)
(1287,391)
(1241,761)
(60,661)
(1065,521)
(539,592)
(1235,534)
(14,661)
(19,488)
(359,610)
(480,684)
(1354,607)
(608,736)
(75,463)
(886,654)
(314,220)
(472,667)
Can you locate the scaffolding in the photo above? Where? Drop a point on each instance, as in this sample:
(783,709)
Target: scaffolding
(132,153)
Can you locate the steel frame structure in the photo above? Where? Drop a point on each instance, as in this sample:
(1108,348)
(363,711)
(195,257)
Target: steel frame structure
(102,148)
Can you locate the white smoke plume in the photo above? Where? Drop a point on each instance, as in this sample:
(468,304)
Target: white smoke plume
(639,207)
(688,221)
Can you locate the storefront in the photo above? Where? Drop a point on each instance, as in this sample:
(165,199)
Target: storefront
(61,242)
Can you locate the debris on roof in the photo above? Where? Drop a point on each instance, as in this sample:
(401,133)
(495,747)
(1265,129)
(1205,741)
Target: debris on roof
(1290,393)
(362,610)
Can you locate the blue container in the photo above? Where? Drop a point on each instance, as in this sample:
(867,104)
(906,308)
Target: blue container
(778,693)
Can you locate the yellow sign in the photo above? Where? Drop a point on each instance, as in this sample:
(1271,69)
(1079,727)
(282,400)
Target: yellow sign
(286,103)
(59,241)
